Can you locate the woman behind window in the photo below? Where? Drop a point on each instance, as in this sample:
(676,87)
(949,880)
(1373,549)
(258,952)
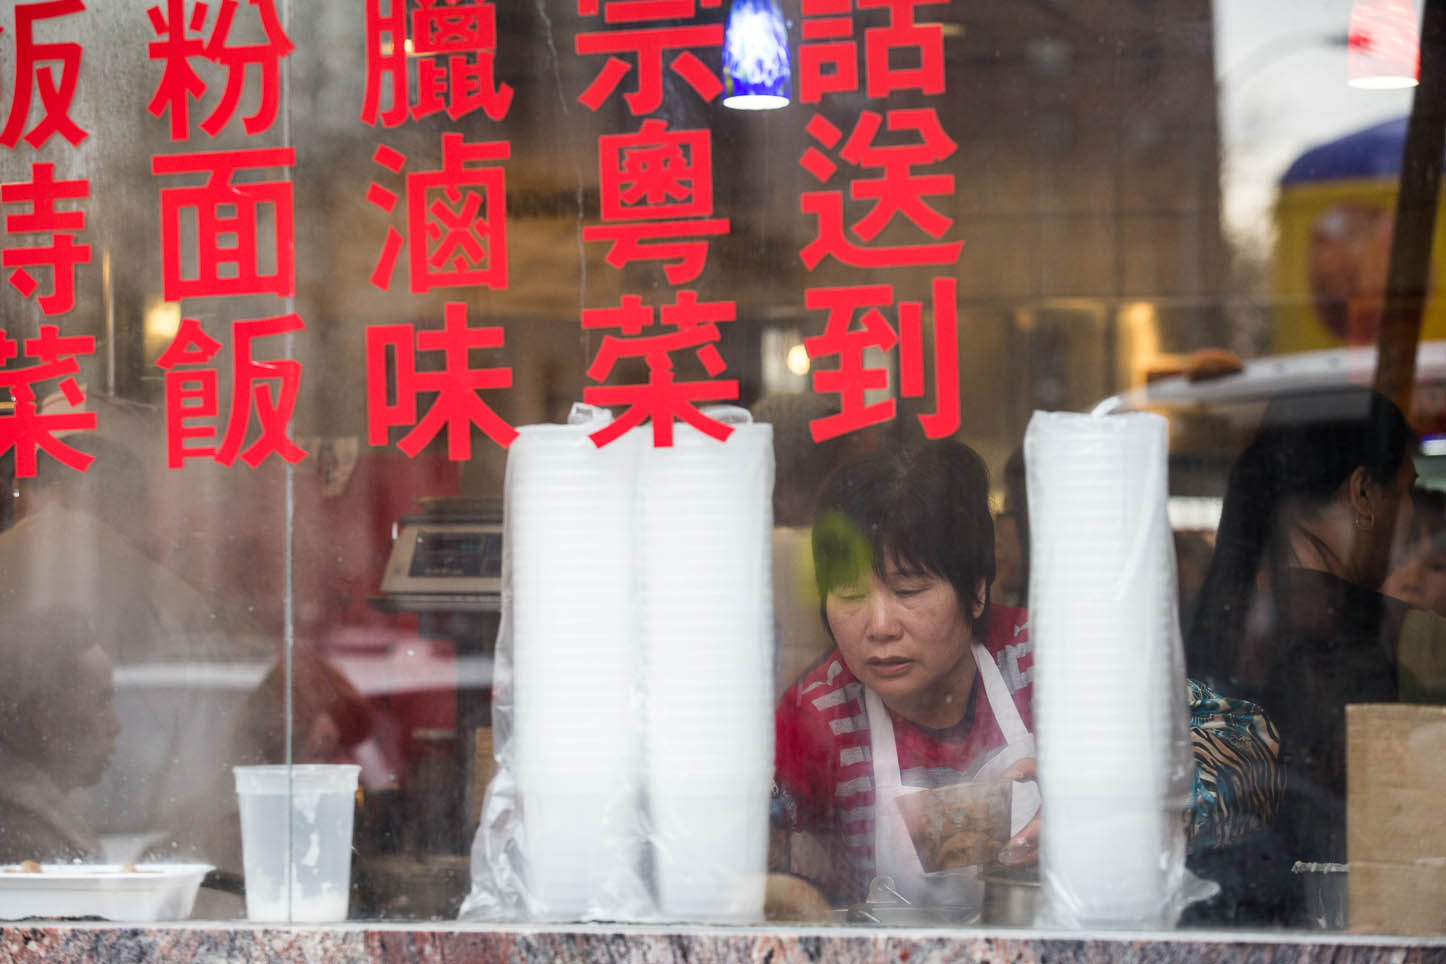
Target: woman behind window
(929,685)
(1290,614)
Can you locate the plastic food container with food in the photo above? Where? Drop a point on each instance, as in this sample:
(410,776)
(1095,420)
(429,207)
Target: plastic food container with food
(110,891)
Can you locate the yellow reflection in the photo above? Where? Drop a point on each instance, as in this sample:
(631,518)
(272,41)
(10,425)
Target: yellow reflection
(797,360)
(1142,332)
(163,320)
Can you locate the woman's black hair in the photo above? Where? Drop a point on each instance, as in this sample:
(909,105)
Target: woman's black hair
(1307,445)
(923,507)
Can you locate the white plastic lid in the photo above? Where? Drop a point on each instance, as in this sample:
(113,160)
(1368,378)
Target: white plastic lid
(304,778)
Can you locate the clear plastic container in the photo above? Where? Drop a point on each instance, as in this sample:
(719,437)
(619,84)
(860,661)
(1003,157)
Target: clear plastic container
(297,857)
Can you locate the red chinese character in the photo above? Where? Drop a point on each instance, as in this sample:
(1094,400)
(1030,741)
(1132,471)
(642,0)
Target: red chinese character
(458,405)
(659,178)
(898,192)
(27,430)
(828,56)
(454,45)
(663,399)
(61,254)
(852,379)
(180,82)
(904,42)
(456,218)
(649,44)
(467,34)
(656,174)
(267,389)
(228,217)
(56,94)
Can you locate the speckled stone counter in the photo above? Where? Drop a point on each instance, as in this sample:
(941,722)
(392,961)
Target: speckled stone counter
(413,942)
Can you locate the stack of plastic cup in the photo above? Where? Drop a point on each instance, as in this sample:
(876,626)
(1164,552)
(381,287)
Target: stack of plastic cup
(1109,685)
(570,517)
(705,541)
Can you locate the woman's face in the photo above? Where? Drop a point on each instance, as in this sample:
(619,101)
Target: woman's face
(906,637)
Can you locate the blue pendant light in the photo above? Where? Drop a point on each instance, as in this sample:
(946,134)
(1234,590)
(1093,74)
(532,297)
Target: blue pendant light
(756,74)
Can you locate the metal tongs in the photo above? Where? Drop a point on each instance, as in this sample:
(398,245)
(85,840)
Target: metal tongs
(882,893)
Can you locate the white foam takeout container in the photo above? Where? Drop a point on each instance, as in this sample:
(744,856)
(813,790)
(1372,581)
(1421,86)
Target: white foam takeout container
(112,891)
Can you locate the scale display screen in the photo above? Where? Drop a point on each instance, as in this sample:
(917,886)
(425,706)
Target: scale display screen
(446,554)
(445,557)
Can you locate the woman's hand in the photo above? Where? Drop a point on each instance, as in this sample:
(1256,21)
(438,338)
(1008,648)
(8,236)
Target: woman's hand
(1023,848)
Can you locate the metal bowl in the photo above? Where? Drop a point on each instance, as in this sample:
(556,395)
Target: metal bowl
(1011,895)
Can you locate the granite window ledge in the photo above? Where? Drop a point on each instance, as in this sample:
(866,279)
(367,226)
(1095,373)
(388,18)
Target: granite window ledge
(67,942)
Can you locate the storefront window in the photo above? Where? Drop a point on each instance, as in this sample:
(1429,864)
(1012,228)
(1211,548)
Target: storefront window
(626,406)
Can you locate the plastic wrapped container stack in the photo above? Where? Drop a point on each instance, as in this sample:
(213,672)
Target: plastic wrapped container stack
(1109,691)
(634,678)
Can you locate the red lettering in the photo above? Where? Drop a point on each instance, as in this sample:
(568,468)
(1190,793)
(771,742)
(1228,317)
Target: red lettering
(648,45)
(265,390)
(662,399)
(656,174)
(458,404)
(898,192)
(456,218)
(454,47)
(853,379)
(922,42)
(56,93)
(26,429)
(59,229)
(180,83)
(228,217)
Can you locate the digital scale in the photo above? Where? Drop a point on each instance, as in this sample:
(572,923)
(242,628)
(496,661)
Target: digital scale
(446,558)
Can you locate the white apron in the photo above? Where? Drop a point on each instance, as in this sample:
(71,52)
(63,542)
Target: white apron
(894,854)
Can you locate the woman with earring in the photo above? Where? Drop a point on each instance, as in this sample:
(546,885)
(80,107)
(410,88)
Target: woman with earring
(1290,614)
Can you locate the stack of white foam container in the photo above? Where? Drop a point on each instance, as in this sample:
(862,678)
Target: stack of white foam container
(641,637)
(1109,686)
(571,516)
(706,602)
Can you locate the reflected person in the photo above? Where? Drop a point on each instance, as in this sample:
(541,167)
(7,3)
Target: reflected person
(58,728)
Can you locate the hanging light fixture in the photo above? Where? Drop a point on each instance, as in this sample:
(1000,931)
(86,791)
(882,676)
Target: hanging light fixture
(1383,47)
(756,74)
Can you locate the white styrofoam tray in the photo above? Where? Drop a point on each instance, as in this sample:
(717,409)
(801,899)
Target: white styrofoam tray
(112,891)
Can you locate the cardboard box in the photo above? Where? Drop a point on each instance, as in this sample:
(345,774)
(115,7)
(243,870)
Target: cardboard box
(1395,832)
